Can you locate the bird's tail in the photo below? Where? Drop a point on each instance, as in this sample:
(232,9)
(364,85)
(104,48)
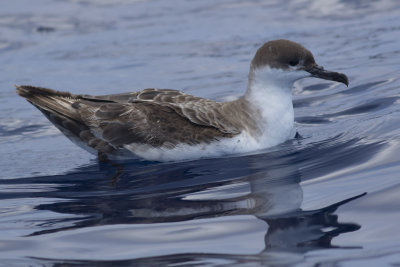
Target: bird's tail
(50,101)
(62,109)
(58,107)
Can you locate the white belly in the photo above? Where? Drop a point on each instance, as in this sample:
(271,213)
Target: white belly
(242,143)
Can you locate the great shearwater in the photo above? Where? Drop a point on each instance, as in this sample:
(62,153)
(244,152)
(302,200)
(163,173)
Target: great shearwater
(167,125)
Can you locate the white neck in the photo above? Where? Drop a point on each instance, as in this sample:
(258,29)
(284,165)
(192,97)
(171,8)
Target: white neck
(270,93)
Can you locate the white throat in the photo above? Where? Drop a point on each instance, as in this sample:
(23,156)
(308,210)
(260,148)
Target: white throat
(270,94)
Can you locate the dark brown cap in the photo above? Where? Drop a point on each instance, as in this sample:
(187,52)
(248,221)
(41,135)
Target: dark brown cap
(282,54)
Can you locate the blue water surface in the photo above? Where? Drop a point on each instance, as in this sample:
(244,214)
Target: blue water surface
(328,198)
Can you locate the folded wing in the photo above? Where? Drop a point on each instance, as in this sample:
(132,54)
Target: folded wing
(159,118)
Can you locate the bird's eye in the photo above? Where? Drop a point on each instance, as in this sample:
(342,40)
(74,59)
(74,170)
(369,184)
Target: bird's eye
(294,62)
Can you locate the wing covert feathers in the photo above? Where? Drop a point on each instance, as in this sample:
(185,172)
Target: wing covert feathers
(160,118)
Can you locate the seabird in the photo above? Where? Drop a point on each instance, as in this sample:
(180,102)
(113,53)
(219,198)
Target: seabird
(167,125)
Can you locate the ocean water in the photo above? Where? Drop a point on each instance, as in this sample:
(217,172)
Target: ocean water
(329,198)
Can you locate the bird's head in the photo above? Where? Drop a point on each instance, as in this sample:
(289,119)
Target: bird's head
(282,62)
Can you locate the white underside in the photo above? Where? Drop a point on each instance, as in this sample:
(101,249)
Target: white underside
(242,143)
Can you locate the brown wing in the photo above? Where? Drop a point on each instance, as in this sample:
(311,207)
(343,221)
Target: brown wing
(144,122)
(198,110)
(155,117)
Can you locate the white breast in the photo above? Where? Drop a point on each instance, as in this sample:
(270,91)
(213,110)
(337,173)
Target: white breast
(270,92)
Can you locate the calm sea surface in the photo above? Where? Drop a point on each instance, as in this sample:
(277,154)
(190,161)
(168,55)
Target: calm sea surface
(330,198)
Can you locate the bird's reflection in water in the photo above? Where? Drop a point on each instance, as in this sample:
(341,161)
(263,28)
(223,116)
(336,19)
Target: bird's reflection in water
(265,186)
